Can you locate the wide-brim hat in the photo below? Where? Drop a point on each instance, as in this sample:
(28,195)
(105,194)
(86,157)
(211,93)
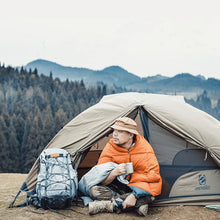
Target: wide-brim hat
(125,124)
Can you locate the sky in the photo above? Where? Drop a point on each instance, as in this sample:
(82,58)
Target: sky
(145,37)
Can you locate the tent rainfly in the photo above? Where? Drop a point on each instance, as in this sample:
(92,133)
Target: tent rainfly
(186,142)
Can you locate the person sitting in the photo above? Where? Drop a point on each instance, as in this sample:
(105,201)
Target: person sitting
(127,146)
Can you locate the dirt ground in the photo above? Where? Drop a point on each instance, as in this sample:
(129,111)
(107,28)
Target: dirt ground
(10,184)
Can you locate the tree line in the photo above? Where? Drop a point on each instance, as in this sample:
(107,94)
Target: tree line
(33,108)
(204,103)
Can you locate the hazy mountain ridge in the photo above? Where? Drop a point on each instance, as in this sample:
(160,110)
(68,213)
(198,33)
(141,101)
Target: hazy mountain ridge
(116,75)
(110,75)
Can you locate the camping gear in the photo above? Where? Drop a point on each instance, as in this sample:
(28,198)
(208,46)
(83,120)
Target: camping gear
(57,181)
(213,207)
(186,142)
(129,167)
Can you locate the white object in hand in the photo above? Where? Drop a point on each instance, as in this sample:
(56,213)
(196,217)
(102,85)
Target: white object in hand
(129,167)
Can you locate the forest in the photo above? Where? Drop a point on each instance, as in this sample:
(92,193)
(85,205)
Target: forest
(33,108)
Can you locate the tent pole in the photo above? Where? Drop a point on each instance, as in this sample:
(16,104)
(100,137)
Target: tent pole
(12,204)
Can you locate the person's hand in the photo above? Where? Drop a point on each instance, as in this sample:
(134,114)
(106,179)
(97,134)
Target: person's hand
(130,201)
(120,169)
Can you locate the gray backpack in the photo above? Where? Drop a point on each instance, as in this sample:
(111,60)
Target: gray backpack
(57,181)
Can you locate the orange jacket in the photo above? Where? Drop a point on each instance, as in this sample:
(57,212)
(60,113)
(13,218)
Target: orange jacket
(146,168)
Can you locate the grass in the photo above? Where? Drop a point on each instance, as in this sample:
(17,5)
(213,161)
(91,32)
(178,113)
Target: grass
(10,184)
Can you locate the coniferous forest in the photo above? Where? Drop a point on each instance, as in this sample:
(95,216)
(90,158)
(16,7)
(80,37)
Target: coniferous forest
(33,108)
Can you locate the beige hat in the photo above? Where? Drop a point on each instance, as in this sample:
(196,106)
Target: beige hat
(125,124)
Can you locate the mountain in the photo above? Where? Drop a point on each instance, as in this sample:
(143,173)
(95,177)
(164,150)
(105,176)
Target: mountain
(183,84)
(180,82)
(113,75)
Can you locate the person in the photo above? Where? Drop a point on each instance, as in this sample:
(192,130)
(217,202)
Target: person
(127,146)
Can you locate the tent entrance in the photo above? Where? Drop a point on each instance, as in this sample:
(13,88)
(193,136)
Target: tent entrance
(91,156)
(186,170)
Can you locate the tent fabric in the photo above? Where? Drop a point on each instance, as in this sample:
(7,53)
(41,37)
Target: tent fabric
(206,200)
(171,113)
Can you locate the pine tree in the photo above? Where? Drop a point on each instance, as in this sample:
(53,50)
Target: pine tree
(13,150)
(3,145)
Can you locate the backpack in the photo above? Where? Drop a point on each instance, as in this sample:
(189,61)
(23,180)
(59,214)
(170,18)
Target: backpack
(57,181)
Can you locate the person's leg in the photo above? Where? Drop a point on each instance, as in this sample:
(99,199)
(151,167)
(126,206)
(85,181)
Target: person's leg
(113,205)
(106,199)
(113,190)
(143,199)
(100,206)
(101,192)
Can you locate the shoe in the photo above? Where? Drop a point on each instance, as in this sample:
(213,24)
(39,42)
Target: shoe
(142,210)
(100,206)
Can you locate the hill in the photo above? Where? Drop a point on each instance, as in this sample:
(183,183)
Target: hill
(182,84)
(113,75)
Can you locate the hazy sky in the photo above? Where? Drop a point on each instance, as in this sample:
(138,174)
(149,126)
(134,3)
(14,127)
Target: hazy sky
(144,37)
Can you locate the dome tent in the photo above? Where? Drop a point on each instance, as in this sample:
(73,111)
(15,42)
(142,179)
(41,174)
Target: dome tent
(186,142)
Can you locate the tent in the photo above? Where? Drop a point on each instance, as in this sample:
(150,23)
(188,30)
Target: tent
(186,142)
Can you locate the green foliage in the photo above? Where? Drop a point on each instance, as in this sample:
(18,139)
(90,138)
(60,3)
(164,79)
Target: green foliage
(33,109)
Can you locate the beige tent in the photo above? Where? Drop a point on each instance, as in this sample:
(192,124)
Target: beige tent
(186,142)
